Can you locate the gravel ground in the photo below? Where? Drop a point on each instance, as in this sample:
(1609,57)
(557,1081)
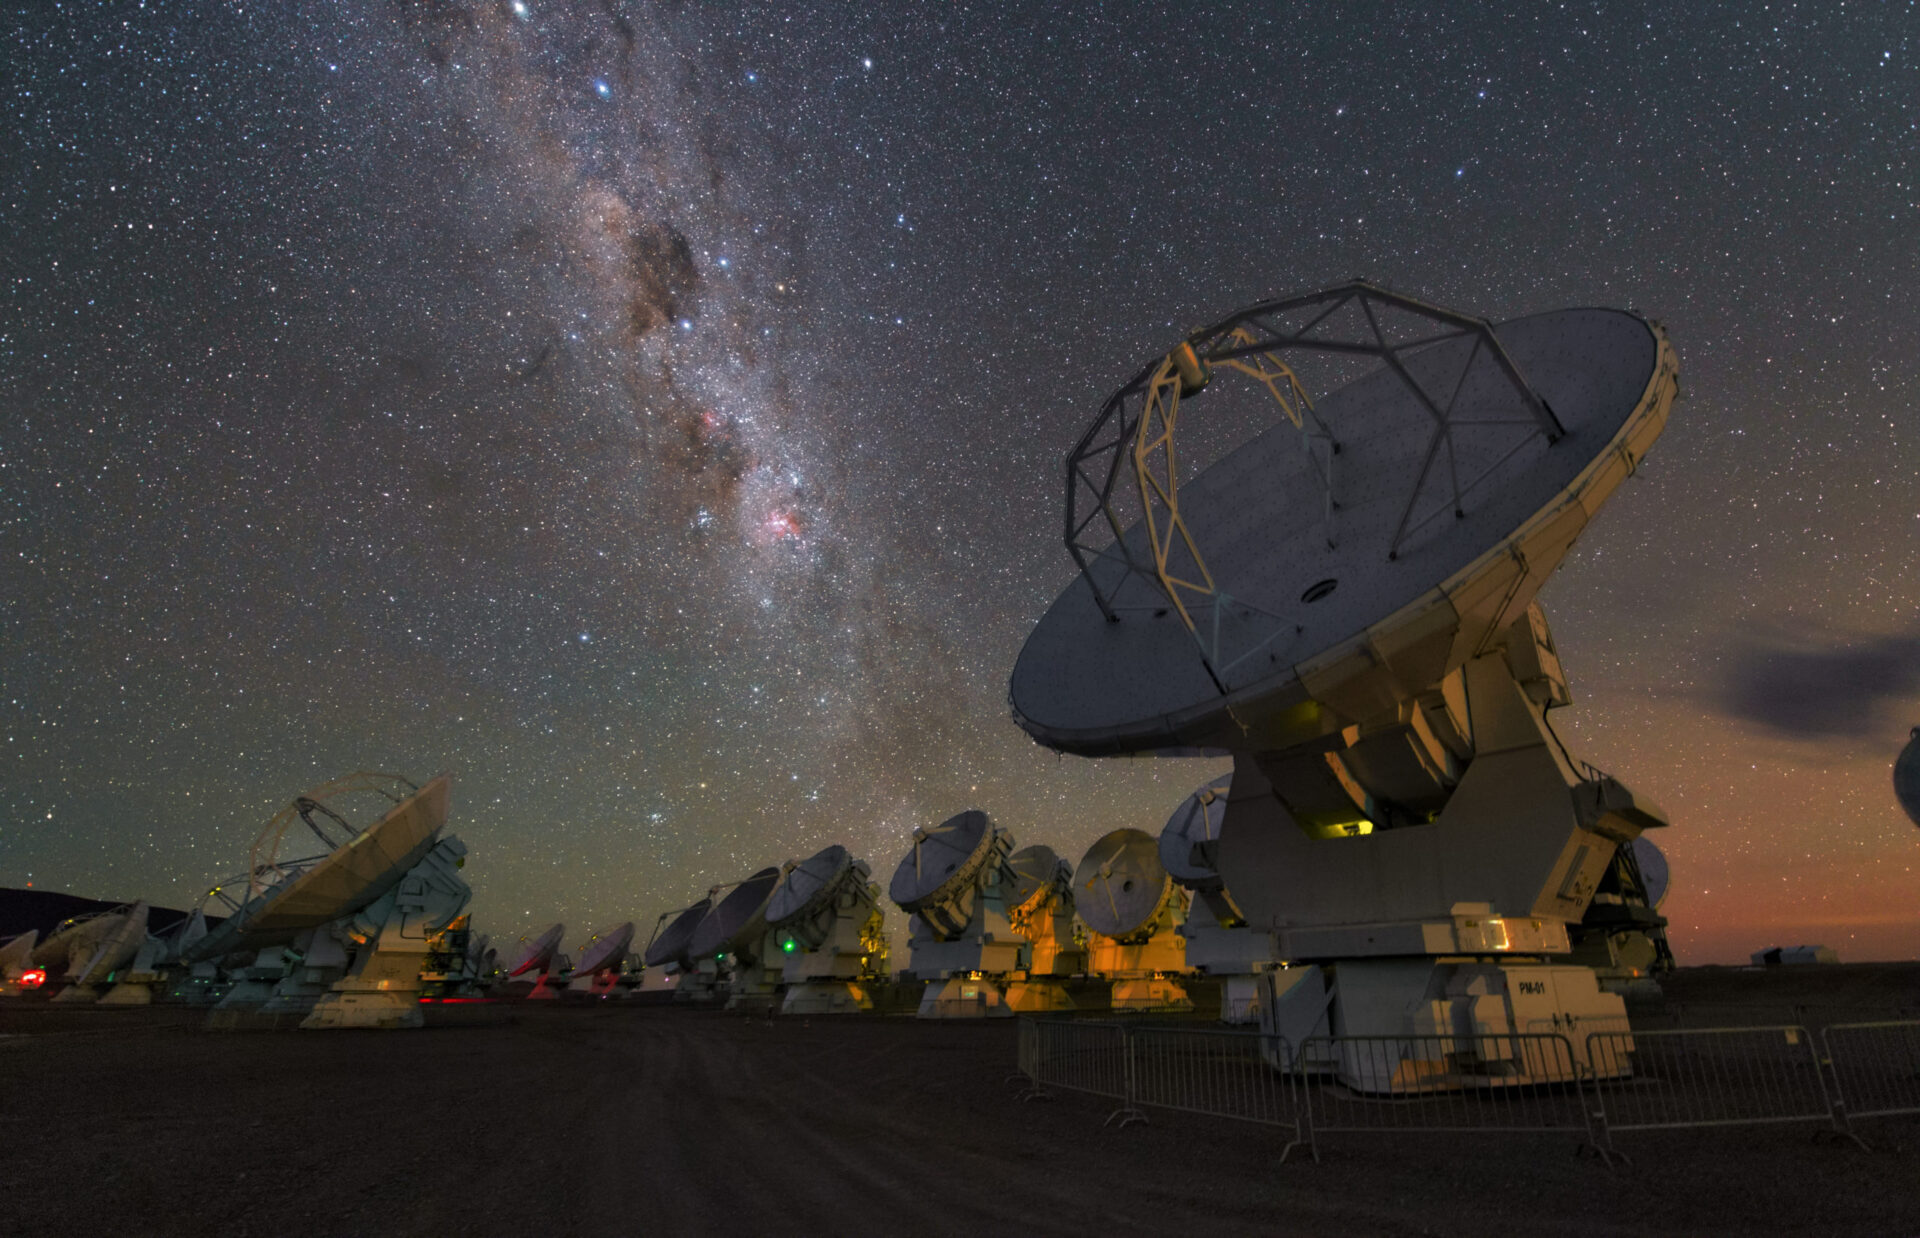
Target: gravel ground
(623,1119)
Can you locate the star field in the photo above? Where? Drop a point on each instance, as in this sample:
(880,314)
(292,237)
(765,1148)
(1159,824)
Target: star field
(654,414)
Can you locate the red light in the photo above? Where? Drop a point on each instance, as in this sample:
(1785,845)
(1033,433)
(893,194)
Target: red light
(32,978)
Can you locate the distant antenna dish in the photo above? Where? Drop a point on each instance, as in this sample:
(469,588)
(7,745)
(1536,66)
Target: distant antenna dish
(84,951)
(16,955)
(535,955)
(1220,942)
(1906,777)
(1654,874)
(811,886)
(937,879)
(116,951)
(953,884)
(739,920)
(1122,887)
(1190,841)
(1040,908)
(1130,900)
(827,919)
(597,974)
(735,939)
(670,947)
(1036,871)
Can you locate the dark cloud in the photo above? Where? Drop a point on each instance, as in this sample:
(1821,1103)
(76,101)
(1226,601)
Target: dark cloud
(1822,689)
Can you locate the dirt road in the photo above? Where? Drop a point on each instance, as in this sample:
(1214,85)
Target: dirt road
(637,1120)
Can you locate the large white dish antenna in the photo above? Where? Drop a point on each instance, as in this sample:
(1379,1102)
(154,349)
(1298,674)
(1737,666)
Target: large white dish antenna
(535,954)
(936,879)
(1350,557)
(16,953)
(1121,886)
(1906,777)
(812,883)
(1654,873)
(68,950)
(1036,869)
(670,946)
(288,896)
(116,949)
(1188,841)
(738,920)
(606,949)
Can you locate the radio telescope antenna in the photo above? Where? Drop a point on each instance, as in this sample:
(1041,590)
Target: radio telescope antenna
(342,932)
(82,954)
(16,960)
(1344,603)
(1220,942)
(1040,909)
(602,961)
(531,972)
(735,935)
(1135,910)
(953,884)
(1906,777)
(671,949)
(827,919)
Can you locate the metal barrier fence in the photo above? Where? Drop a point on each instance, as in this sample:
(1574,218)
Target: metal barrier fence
(1609,1082)
(1376,1084)
(1080,1057)
(1876,1068)
(1699,1077)
(1214,1071)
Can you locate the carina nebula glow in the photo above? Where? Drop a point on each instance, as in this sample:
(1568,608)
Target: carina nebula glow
(655,413)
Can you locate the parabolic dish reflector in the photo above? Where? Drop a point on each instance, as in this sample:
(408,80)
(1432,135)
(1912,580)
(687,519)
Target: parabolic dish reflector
(75,941)
(736,919)
(1034,870)
(1654,874)
(606,949)
(536,954)
(1906,777)
(944,861)
(1401,520)
(671,945)
(1193,826)
(1121,885)
(340,883)
(812,882)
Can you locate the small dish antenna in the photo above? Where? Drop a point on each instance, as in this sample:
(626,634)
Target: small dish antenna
(670,949)
(602,962)
(1906,777)
(531,972)
(735,935)
(83,954)
(1220,942)
(953,884)
(1040,909)
(16,959)
(827,920)
(1345,604)
(1135,909)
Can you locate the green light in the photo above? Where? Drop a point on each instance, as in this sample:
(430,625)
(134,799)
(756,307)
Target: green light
(787,945)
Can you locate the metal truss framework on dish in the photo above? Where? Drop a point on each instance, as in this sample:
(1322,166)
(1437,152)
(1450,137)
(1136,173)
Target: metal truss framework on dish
(1345,604)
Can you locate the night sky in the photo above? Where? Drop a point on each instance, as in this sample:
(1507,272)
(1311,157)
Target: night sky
(654,414)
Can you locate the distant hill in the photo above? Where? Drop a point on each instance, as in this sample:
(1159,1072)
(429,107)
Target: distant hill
(21,910)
